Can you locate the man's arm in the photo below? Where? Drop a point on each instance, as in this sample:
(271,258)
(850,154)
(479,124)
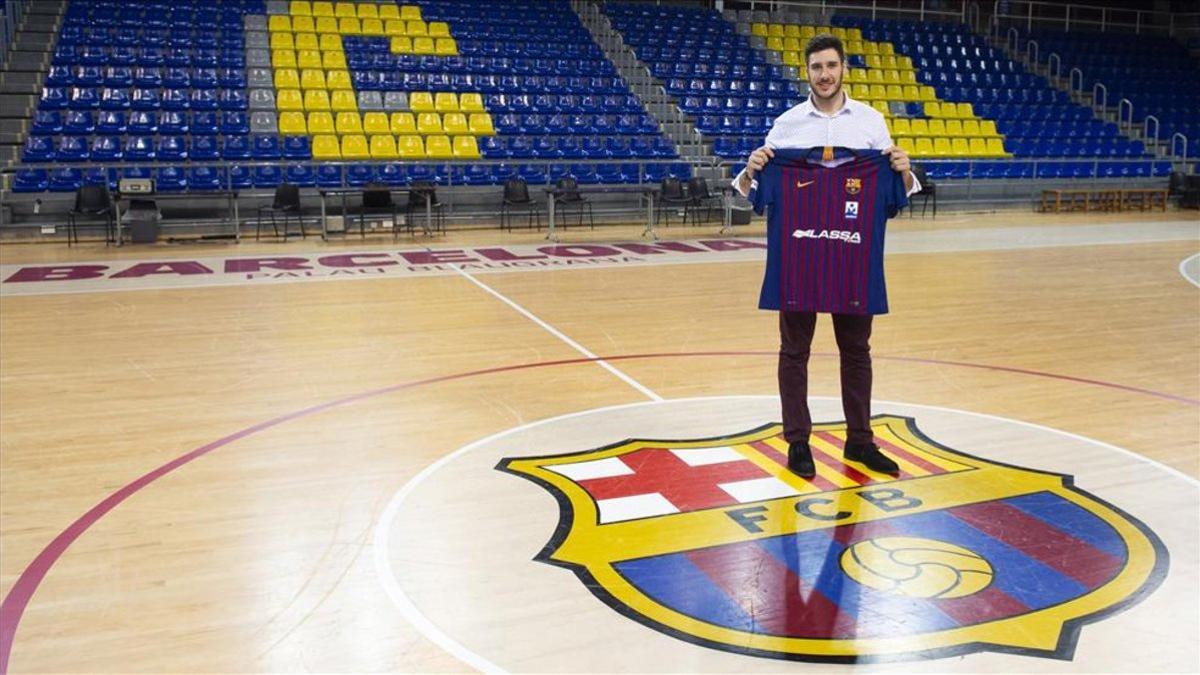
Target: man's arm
(901,164)
(755,163)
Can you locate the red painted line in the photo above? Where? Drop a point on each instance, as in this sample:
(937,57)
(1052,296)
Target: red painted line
(13,607)
(1041,541)
(779,457)
(987,605)
(910,457)
(838,463)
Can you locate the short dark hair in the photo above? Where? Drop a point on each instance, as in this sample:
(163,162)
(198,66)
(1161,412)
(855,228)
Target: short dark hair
(821,42)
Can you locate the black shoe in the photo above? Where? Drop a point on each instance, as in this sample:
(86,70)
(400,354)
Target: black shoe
(869,454)
(800,461)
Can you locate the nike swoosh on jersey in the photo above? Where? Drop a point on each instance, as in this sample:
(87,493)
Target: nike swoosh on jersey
(801,185)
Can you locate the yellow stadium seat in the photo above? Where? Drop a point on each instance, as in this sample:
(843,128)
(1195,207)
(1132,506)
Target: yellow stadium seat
(280,22)
(326,147)
(311,78)
(959,147)
(282,41)
(376,123)
(927,92)
(367,10)
(995,148)
(395,27)
(471,102)
(372,27)
(410,12)
(402,44)
(988,128)
(933,109)
(954,128)
(853,75)
(970,128)
(286,78)
(338,79)
(886,49)
(480,124)
(328,25)
(349,25)
(881,106)
(875,75)
(941,147)
(333,60)
(977,147)
(895,92)
(924,147)
(775,43)
(403,123)
(792,44)
(320,123)
(839,33)
(445,47)
(429,123)
(344,9)
(854,47)
(300,8)
(904,63)
(937,127)
(307,41)
(289,99)
(911,93)
(316,99)
(445,101)
(322,9)
(901,127)
(888,61)
(949,110)
(421,101)
(343,101)
(412,147)
(860,91)
(906,143)
(877,92)
(438,29)
(389,12)
(908,77)
(424,46)
(792,59)
(759,29)
(791,30)
(455,124)
(331,42)
(348,123)
(292,124)
(355,147)
(891,76)
(283,58)
(854,34)
(438,147)
(873,61)
(965,111)
(807,32)
(919,127)
(870,49)
(416,28)
(309,58)
(383,146)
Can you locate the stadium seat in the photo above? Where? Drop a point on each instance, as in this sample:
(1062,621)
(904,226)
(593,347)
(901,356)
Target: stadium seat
(325,147)
(349,123)
(465,147)
(383,147)
(355,147)
(411,147)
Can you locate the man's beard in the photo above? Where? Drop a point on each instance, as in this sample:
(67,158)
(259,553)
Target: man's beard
(837,89)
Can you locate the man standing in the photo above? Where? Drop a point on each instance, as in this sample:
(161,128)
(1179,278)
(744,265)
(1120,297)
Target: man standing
(829,118)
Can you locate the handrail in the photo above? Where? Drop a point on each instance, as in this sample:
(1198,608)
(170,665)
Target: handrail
(1071,75)
(1125,125)
(1103,103)
(1146,128)
(1070,15)
(1051,61)
(1032,47)
(1016,38)
(1175,135)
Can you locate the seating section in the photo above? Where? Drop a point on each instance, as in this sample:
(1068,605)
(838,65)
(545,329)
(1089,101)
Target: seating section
(1169,91)
(448,80)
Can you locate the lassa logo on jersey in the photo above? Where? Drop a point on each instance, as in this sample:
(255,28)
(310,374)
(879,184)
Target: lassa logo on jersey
(714,542)
(841,235)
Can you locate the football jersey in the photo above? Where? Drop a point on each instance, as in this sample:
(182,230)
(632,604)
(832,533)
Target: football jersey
(825,229)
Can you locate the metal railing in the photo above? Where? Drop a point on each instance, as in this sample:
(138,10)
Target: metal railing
(876,9)
(1146,129)
(1125,124)
(1092,17)
(1183,138)
(1054,65)
(1099,103)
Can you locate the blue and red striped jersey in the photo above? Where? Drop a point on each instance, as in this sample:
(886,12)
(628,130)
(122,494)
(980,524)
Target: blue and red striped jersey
(825,230)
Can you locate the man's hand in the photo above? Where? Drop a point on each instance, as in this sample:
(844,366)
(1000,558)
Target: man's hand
(758,159)
(899,157)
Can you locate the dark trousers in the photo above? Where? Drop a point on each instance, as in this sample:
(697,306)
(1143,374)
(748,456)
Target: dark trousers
(853,333)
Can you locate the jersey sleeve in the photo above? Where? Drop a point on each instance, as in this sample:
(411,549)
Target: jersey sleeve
(763,188)
(896,194)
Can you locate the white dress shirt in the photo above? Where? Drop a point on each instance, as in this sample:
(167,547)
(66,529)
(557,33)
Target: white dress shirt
(856,125)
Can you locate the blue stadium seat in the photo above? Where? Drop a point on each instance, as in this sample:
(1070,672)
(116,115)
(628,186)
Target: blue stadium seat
(265,147)
(46,122)
(106,149)
(170,179)
(296,147)
(202,178)
(72,149)
(172,148)
(300,175)
(65,180)
(38,149)
(31,180)
(358,175)
(78,122)
(173,122)
(236,147)
(267,177)
(204,124)
(329,176)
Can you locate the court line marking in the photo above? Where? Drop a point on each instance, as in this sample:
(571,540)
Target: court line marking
(21,592)
(382,538)
(1184,271)
(559,334)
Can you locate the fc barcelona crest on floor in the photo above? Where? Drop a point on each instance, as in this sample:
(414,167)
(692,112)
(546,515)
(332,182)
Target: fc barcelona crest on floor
(713,541)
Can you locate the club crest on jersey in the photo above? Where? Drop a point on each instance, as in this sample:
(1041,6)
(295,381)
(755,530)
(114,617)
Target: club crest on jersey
(714,542)
(852,209)
(838,235)
(853,186)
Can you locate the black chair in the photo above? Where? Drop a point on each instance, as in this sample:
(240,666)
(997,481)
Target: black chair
(672,195)
(416,203)
(287,203)
(928,190)
(702,198)
(377,198)
(516,196)
(92,201)
(1189,196)
(567,197)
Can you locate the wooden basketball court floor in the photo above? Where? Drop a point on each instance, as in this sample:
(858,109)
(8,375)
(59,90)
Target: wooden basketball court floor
(302,476)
